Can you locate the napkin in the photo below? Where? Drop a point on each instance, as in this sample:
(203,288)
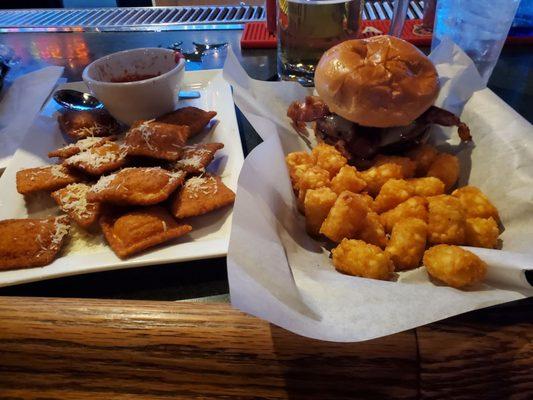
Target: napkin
(20,105)
(278,273)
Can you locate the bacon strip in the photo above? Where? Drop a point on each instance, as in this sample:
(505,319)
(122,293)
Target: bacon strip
(439,116)
(312,109)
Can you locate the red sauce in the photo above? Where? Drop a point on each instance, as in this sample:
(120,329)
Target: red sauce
(133,78)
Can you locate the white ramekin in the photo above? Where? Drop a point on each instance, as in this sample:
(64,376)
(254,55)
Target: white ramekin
(145,99)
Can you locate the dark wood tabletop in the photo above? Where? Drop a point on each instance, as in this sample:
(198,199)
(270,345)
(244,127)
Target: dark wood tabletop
(97,336)
(86,349)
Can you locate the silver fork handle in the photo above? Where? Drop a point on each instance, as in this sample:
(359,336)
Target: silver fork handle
(398,17)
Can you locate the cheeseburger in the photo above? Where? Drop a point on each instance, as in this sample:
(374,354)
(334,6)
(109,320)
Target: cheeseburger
(374,96)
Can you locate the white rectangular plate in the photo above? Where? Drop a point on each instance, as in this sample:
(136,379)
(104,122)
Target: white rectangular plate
(84,253)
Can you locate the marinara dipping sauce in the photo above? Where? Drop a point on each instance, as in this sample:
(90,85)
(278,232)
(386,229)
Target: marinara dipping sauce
(133,78)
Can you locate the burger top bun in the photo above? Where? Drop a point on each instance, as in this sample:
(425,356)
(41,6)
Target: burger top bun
(382,81)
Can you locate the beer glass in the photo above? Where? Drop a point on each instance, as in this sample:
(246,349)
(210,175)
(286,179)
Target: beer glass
(306,28)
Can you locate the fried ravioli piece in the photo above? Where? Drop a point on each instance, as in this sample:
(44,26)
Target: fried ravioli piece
(195,158)
(357,258)
(136,186)
(454,266)
(130,232)
(28,243)
(79,146)
(82,124)
(49,178)
(200,195)
(195,118)
(72,199)
(99,160)
(156,140)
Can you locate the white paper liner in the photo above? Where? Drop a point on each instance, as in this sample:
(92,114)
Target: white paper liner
(20,105)
(278,273)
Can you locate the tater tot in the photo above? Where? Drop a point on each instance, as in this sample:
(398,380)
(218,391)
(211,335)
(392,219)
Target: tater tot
(446,220)
(446,168)
(482,232)
(317,204)
(355,257)
(392,193)
(376,177)
(407,243)
(345,218)
(372,231)
(368,200)
(313,178)
(408,165)
(454,266)
(427,186)
(415,207)
(298,158)
(348,178)
(475,203)
(423,156)
(329,158)
(296,174)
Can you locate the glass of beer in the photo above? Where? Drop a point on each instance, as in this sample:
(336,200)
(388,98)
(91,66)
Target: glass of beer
(306,28)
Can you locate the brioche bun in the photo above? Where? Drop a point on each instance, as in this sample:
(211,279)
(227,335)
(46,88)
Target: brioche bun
(381,82)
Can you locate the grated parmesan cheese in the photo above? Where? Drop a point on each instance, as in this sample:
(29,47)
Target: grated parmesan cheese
(75,200)
(103,183)
(60,232)
(93,159)
(146,131)
(201,184)
(57,171)
(93,130)
(86,143)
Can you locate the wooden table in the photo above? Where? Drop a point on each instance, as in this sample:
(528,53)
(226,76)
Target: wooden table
(86,349)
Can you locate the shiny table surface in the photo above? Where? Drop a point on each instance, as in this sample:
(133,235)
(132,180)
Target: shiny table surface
(512,80)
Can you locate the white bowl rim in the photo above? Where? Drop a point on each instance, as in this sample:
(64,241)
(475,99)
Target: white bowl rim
(87,78)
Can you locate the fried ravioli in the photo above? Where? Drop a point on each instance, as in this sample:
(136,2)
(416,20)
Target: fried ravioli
(136,186)
(195,158)
(72,199)
(134,231)
(156,140)
(28,243)
(200,195)
(48,178)
(98,160)
(82,124)
(195,118)
(79,146)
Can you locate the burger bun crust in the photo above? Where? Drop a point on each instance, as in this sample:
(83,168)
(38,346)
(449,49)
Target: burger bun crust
(381,81)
